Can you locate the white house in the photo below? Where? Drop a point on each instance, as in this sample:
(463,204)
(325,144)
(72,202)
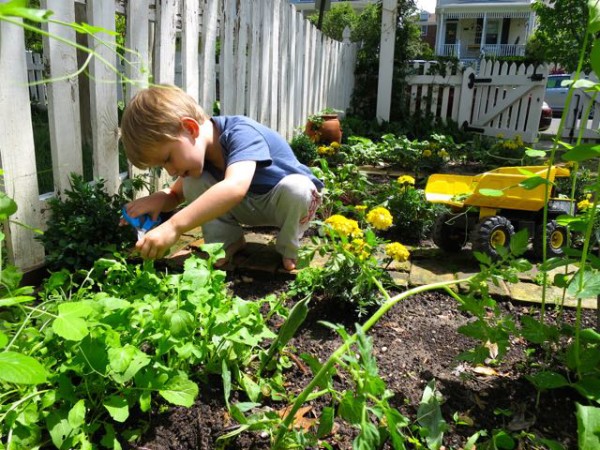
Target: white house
(472,29)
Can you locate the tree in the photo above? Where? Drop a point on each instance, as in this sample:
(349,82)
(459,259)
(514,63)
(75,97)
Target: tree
(562,27)
(339,17)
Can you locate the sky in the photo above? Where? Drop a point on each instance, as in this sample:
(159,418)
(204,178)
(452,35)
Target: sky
(427,5)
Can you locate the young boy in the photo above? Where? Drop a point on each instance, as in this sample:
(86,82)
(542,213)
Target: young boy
(230,169)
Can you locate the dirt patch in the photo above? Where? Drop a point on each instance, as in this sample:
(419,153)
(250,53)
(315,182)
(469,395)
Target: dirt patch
(417,341)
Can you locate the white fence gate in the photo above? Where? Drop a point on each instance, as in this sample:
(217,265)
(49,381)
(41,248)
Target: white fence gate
(577,122)
(274,67)
(500,98)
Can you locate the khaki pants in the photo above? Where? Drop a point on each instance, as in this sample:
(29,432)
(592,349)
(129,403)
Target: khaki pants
(289,206)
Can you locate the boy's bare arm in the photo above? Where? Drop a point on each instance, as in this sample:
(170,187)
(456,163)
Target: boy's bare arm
(215,202)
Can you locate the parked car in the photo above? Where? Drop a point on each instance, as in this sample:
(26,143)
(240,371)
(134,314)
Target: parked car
(556,92)
(546,117)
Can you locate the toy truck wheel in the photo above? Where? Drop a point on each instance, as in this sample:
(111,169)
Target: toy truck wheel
(491,233)
(556,239)
(449,233)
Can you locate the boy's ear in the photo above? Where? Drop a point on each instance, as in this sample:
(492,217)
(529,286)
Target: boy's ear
(191,126)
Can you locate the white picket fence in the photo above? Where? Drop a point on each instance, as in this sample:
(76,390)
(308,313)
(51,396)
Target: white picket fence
(273,66)
(497,99)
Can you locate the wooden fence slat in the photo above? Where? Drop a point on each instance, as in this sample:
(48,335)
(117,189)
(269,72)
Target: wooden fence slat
(190,38)
(284,65)
(275,45)
(63,97)
(17,151)
(265,61)
(138,69)
(103,99)
(228,94)
(165,46)
(242,54)
(254,62)
(208,66)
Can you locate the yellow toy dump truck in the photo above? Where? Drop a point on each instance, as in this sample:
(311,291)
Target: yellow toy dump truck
(489,221)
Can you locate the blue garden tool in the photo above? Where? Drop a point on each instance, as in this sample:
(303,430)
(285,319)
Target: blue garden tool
(142,224)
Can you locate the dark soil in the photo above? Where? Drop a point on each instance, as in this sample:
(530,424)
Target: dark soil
(417,341)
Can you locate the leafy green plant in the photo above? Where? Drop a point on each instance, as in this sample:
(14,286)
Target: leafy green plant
(413,215)
(353,260)
(304,148)
(121,341)
(84,226)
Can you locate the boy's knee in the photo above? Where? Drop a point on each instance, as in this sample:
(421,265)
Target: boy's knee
(297,186)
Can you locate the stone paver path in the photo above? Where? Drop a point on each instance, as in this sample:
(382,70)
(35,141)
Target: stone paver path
(427,265)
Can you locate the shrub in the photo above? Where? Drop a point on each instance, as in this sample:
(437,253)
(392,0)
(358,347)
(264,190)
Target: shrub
(84,226)
(304,148)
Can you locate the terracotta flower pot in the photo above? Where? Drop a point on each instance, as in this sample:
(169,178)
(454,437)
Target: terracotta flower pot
(327,132)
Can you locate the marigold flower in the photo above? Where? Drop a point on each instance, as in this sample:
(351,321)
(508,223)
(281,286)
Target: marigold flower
(335,145)
(406,180)
(426,153)
(344,226)
(380,218)
(584,204)
(360,208)
(443,153)
(397,251)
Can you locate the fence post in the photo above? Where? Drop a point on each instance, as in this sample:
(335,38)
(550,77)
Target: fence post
(63,97)
(466,97)
(17,151)
(386,59)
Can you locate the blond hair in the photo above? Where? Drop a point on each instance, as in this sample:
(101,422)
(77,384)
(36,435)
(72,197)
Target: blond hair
(152,117)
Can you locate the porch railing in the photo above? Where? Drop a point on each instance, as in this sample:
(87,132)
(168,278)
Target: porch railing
(450,50)
(503,49)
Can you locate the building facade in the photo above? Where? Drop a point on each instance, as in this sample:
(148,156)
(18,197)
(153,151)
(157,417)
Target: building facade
(308,7)
(470,30)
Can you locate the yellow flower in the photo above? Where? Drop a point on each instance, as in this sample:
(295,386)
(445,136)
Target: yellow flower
(584,204)
(335,145)
(427,153)
(322,150)
(397,251)
(344,226)
(443,153)
(380,218)
(406,180)
(360,208)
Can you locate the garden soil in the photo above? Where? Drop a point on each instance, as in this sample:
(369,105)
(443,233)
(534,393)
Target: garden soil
(415,342)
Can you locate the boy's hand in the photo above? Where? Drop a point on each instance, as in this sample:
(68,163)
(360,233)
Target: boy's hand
(157,241)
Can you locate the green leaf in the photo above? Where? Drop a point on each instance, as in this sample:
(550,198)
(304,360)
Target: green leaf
(251,387)
(588,424)
(351,408)
(533,182)
(595,57)
(3,340)
(368,439)
(86,28)
(589,387)
(533,153)
(535,331)
(491,192)
(594,17)
(7,205)
(287,330)
(519,242)
(582,152)
(181,323)
(18,8)
(429,416)
(21,369)
(70,323)
(325,422)
(59,428)
(126,362)
(226,376)
(117,407)
(589,335)
(548,380)
(589,288)
(503,440)
(180,391)
(76,415)
(10,301)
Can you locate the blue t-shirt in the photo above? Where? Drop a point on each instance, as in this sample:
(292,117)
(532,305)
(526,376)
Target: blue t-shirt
(244,139)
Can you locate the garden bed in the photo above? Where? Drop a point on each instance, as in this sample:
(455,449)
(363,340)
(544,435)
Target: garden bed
(416,342)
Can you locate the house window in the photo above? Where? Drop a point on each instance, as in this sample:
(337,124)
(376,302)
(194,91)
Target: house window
(424,30)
